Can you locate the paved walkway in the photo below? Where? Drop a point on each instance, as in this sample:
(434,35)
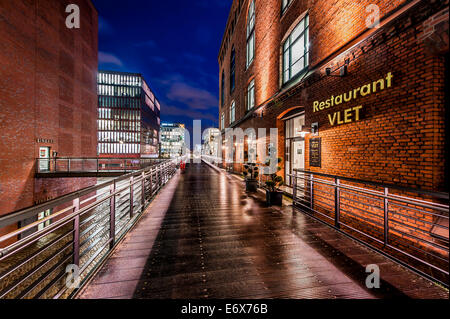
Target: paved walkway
(204,237)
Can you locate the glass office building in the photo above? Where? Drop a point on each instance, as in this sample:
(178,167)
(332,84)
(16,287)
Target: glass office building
(128,116)
(172,140)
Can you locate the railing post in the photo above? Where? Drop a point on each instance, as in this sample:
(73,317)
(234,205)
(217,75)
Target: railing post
(143,192)
(337,203)
(311,191)
(112,215)
(151,182)
(131,196)
(98,168)
(386,217)
(68,166)
(294,187)
(76,233)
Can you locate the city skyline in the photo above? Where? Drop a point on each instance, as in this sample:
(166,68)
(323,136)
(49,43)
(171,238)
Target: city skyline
(181,66)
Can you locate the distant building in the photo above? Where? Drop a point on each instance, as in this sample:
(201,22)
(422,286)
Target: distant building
(172,140)
(128,116)
(212,145)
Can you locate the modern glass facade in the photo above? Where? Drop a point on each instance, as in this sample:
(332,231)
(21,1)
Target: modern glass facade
(172,140)
(128,116)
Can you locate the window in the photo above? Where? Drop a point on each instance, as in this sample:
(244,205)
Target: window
(295,51)
(232,112)
(251,33)
(251,95)
(284,5)
(222,121)
(222,90)
(41,216)
(232,70)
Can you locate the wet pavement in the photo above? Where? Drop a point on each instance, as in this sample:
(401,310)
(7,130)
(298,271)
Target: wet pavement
(204,237)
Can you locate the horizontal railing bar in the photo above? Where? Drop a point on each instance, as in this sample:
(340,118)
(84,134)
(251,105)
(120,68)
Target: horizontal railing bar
(22,214)
(407,189)
(417,210)
(30,288)
(38,252)
(415,237)
(31,272)
(416,219)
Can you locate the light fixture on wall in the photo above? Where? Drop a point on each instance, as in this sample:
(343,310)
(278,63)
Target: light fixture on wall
(315,129)
(343,71)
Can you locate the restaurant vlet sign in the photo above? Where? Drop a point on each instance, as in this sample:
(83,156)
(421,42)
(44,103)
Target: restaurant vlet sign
(352,114)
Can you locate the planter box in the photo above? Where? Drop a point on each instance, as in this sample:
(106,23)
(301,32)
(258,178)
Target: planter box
(274,198)
(251,185)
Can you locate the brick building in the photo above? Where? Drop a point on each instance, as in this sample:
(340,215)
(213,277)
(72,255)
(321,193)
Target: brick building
(370,100)
(129,116)
(47,96)
(375,96)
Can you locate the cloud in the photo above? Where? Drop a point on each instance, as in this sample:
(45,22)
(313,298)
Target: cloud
(195,98)
(107,58)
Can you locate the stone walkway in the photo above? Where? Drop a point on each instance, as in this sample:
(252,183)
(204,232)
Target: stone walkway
(204,237)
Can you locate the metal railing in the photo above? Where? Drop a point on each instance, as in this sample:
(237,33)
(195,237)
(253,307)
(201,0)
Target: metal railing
(229,167)
(408,225)
(92,164)
(46,261)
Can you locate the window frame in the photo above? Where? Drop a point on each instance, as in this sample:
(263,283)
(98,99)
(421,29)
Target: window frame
(285,7)
(232,112)
(305,56)
(232,70)
(251,21)
(222,121)
(251,87)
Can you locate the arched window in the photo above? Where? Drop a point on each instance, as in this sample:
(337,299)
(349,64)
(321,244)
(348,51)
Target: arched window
(251,33)
(296,51)
(222,89)
(232,70)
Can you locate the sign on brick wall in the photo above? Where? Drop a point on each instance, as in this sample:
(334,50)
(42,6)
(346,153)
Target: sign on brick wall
(315,152)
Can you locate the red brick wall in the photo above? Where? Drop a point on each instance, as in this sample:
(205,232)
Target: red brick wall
(400,138)
(48,91)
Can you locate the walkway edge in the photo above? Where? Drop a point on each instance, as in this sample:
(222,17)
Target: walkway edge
(105,259)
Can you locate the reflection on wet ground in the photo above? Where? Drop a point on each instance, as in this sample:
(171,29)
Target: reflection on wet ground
(204,237)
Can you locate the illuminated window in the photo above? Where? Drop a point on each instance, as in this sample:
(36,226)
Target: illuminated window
(232,112)
(222,121)
(251,33)
(251,95)
(41,216)
(295,51)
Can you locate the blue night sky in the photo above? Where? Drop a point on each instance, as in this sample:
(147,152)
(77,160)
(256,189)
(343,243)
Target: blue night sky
(174,44)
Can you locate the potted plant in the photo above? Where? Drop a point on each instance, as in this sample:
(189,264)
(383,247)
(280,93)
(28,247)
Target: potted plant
(274,196)
(250,173)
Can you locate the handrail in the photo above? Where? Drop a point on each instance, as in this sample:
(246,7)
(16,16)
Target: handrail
(412,230)
(441,195)
(97,224)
